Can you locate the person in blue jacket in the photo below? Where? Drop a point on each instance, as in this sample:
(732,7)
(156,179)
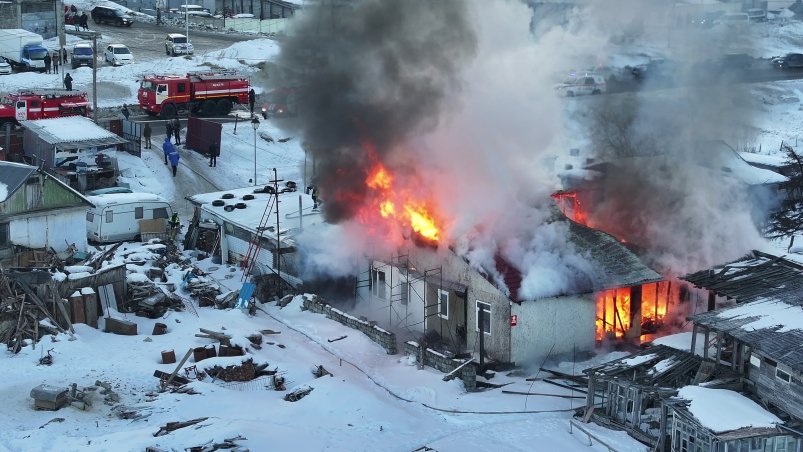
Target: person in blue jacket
(174,157)
(168,148)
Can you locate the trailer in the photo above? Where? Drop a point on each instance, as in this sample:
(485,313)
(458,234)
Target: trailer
(22,49)
(200,93)
(117,217)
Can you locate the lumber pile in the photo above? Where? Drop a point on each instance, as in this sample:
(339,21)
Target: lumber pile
(25,316)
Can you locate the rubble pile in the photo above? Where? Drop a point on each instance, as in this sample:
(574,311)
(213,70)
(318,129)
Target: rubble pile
(146,299)
(25,316)
(246,371)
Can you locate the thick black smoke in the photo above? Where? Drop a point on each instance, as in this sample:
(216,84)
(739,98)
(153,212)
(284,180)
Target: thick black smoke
(373,74)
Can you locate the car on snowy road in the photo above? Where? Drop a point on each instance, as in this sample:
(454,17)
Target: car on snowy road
(790,60)
(5,68)
(117,55)
(579,85)
(281,102)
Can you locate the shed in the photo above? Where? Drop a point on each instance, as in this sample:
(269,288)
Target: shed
(73,148)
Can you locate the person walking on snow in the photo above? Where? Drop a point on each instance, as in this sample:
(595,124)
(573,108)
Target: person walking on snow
(175,225)
(68,82)
(47,62)
(56,58)
(84,21)
(167,148)
(146,133)
(213,153)
(174,158)
(177,130)
(125,111)
(252,98)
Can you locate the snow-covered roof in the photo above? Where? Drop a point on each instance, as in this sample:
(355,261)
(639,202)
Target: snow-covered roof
(72,130)
(261,210)
(122,198)
(769,317)
(723,410)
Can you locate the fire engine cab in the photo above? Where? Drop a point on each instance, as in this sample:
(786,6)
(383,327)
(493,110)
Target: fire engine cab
(42,104)
(202,93)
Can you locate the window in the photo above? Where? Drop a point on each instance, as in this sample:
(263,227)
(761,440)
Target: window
(138,212)
(160,212)
(485,309)
(443,304)
(5,240)
(90,216)
(161,89)
(404,293)
(35,104)
(378,283)
(781,375)
(770,362)
(182,87)
(109,216)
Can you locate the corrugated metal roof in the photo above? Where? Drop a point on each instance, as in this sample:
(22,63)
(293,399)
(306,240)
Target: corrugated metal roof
(614,264)
(14,175)
(69,132)
(756,281)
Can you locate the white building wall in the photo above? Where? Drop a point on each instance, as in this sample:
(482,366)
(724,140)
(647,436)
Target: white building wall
(56,229)
(562,325)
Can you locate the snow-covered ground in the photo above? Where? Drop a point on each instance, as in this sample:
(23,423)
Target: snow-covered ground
(372,402)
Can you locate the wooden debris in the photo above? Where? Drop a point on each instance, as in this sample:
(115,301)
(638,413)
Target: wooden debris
(297,394)
(55,419)
(337,338)
(255,339)
(270,332)
(223,338)
(228,444)
(543,394)
(320,371)
(172,426)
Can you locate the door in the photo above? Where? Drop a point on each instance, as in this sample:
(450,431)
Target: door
(22,110)
(161,93)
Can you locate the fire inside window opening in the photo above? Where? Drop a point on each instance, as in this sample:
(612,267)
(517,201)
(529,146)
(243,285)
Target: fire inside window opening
(638,312)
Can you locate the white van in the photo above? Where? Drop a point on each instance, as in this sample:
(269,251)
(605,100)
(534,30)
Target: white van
(116,216)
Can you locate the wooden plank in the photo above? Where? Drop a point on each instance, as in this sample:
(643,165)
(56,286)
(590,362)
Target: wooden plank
(91,308)
(543,394)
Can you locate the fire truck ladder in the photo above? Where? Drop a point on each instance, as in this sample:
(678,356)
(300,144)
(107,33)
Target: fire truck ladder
(49,92)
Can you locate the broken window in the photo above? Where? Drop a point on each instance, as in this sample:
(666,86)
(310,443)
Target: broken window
(485,325)
(443,303)
(5,240)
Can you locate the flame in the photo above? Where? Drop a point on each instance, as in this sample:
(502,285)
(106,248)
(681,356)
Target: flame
(393,202)
(616,316)
(569,204)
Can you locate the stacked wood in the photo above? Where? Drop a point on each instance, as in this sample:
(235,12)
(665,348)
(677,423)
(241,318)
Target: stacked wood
(146,299)
(25,316)
(246,371)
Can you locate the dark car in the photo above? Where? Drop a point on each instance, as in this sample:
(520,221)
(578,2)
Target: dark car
(104,14)
(281,102)
(790,60)
(82,55)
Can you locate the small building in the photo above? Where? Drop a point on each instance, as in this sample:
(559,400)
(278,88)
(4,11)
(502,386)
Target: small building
(437,293)
(240,225)
(627,393)
(707,419)
(39,211)
(755,320)
(74,149)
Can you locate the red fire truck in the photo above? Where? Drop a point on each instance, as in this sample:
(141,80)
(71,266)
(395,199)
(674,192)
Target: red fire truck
(201,93)
(42,104)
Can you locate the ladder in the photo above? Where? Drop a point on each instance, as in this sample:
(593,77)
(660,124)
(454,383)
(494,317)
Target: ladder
(253,247)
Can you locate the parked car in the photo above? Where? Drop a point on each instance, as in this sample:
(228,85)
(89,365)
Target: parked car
(281,102)
(756,14)
(176,43)
(82,55)
(790,60)
(105,14)
(579,85)
(5,68)
(117,54)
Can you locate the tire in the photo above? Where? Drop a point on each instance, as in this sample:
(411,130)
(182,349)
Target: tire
(223,107)
(227,196)
(172,52)
(218,203)
(208,108)
(167,51)
(168,112)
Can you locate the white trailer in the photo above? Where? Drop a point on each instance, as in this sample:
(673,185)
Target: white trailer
(23,49)
(116,216)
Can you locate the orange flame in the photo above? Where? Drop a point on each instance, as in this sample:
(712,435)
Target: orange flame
(569,204)
(411,212)
(617,316)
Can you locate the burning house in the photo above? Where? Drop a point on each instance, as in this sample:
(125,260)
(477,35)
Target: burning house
(438,293)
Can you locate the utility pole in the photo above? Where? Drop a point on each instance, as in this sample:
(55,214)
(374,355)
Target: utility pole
(93,35)
(276,181)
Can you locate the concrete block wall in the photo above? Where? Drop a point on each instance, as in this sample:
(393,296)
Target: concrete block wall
(444,364)
(384,338)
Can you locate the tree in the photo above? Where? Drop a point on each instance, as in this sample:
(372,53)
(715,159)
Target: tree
(788,218)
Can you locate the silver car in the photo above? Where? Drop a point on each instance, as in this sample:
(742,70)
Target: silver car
(5,68)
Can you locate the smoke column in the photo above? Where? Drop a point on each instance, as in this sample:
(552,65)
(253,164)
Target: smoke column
(373,73)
